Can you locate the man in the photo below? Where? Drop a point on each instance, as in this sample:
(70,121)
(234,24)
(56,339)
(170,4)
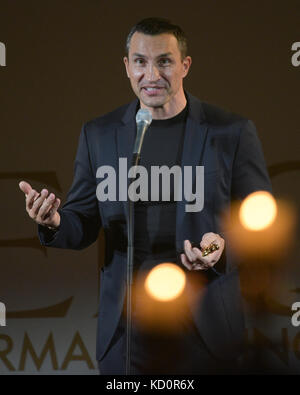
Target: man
(183,132)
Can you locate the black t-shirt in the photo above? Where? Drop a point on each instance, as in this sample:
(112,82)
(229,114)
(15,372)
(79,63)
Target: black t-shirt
(155,221)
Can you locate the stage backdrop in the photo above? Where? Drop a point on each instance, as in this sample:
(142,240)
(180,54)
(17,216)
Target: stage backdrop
(61,65)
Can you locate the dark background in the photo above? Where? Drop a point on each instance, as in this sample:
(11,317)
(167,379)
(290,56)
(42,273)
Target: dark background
(63,67)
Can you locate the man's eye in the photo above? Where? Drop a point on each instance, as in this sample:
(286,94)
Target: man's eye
(164,62)
(139,61)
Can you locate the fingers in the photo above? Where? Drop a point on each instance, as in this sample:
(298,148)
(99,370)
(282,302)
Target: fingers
(189,265)
(186,262)
(30,199)
(30,194)
(194,255)
(209,260)
(188,250)
(193,259)
(190,259)
(41,207)
(48,217)
(37,202)
(25,187)
(209,238)
(52,210)
(48,209)
(204,261)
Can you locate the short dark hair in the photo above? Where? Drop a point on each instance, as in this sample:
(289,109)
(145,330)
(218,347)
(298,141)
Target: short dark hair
(154,26)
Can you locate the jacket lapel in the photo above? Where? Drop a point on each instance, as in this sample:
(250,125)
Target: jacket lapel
(192,155)
(125,139)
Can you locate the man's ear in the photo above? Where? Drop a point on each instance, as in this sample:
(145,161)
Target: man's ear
(126,62)
(187,61)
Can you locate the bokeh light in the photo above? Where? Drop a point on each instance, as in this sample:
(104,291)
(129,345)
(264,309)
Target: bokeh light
(165,282)
(258,211)
(272,240)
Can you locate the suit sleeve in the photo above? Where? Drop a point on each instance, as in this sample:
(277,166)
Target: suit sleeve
(80,218)
(249,174)
(249,169)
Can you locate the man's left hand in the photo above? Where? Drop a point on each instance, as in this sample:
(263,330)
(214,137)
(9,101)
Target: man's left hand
(193,259)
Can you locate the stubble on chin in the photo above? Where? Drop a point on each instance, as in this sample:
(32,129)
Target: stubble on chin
(153,102)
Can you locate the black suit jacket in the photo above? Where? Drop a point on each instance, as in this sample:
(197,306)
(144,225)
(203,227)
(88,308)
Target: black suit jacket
(228,148)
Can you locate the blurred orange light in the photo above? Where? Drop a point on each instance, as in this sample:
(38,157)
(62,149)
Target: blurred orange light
(258,211)
(165,282)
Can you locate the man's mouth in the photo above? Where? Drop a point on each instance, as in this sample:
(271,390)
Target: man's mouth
(153,90)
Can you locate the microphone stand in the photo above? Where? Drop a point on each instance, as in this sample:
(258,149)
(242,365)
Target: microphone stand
(130,259)
(143,120)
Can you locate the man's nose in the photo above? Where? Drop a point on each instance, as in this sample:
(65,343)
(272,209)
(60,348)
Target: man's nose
(152,73)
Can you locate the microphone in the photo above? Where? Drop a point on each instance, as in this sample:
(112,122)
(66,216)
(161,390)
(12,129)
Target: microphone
(143,120)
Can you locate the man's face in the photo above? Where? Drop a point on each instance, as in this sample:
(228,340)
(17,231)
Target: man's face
(155,68)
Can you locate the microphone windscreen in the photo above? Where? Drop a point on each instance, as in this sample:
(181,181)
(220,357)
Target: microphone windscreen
(143,115)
